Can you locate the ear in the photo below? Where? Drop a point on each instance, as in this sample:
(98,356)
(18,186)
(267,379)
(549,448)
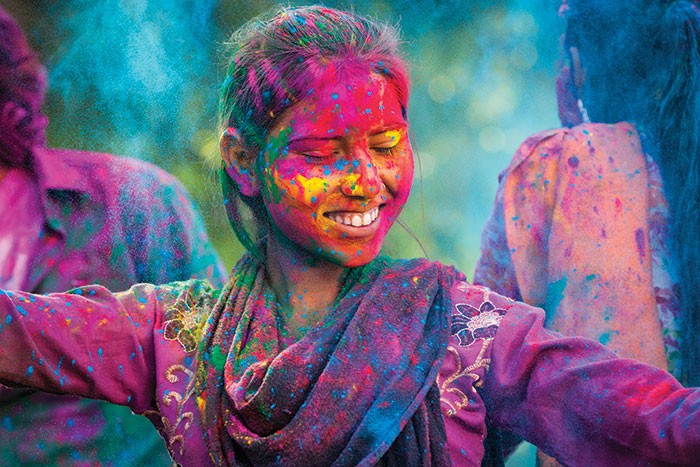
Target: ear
(239,161)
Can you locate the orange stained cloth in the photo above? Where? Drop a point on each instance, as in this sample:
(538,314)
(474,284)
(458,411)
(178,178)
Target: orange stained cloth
(570,232)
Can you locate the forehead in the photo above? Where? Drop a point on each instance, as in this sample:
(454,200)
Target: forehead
(339,106)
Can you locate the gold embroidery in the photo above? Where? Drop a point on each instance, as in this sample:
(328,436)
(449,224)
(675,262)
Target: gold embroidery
(171,429)
(182,321)
(446,386)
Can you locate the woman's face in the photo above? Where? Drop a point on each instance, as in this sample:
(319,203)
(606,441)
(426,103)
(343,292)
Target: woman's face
(339,168)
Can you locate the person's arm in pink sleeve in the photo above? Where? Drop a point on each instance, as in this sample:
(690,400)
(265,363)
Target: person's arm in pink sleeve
(577,401)
(89,342)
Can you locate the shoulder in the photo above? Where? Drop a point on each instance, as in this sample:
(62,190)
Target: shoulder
(569,146)
(539,145)
(99,173)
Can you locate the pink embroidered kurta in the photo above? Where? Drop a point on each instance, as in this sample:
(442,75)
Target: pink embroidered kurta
(571,396)
(580,228)
(77,218)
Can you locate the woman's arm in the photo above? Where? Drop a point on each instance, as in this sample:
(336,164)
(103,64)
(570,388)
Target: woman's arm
(579,402)
(88,342)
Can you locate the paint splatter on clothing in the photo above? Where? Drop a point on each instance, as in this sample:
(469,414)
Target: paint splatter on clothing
(495,360)
(580,228)
(81,218)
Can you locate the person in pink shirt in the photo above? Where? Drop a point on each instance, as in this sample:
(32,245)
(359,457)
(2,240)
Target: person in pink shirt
(319,350)
(71,218)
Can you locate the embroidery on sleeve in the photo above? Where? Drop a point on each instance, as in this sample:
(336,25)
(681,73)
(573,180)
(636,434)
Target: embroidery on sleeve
(470,324)
(170,396)
(446,386)
(183,320)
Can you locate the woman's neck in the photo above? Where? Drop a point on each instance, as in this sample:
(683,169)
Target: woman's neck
(305,285)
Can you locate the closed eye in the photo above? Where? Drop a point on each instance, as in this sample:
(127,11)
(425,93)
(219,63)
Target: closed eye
(385,142)
(388,151)
(319,154)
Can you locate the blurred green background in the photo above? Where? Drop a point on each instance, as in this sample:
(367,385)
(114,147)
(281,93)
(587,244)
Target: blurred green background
(140,78)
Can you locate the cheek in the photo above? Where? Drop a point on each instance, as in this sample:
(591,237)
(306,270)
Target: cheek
(312,189)
(398,177)
(292,184)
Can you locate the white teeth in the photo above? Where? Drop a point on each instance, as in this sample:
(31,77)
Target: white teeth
(356,219)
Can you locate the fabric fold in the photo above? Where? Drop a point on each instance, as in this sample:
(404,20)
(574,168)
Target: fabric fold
(343,393)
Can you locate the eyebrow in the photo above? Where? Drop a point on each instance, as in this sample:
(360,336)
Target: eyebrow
(394,126)
(313,138)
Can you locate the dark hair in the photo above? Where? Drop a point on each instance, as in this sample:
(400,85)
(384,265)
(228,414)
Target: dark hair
(22,89)
(275,61)
(642,62)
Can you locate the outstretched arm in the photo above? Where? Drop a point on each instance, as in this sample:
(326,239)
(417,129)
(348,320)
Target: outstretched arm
(579,402)
(89,342)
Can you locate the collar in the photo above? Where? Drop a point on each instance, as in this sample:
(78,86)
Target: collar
(55,171)
(59,179)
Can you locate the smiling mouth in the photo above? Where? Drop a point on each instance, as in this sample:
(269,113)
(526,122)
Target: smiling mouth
(354,219)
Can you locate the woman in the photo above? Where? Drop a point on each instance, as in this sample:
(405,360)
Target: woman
(600,215)
(319,351)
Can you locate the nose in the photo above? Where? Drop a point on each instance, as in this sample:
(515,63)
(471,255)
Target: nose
(363,181)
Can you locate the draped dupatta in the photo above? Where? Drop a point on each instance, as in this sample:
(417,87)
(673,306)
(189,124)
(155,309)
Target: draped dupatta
(358,388)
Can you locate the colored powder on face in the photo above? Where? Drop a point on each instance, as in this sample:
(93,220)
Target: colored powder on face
(394,135)
(340,164)
(312,187)
(351,181)
(277,147)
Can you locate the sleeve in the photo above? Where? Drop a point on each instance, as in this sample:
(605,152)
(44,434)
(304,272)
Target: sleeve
(571,227)
(165,231)
(494,268)
(578,402)
(88,342)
